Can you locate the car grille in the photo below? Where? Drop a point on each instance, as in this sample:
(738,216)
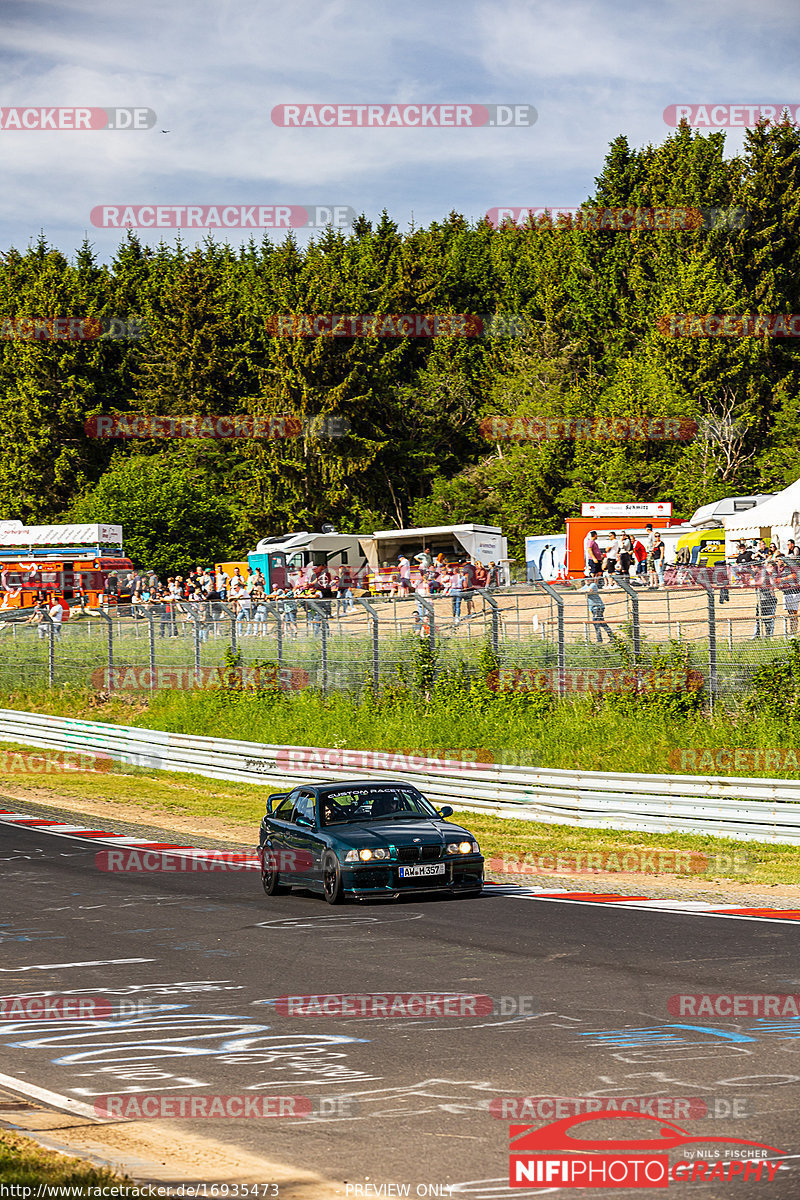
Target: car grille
(409,854)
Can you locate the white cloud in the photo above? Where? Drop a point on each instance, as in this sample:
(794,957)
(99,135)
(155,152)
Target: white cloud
(212,70)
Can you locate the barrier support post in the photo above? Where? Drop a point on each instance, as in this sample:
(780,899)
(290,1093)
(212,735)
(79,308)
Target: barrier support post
(372,613)
(322,613)
(558,600)
(195,619)
(51,651)
(151,649)
(490,600)
(427,605)
(272,608)
(101,612)
(713,679)
(627,586)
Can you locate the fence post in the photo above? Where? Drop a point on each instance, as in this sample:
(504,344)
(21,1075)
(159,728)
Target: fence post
(272,607)
(490,600)
(634,597)
(372,613)
(229,613)
(713,680)
(51,651)
(110,628)
(562,663)
(423,602)
(195,619)
(151,634)
(322,613)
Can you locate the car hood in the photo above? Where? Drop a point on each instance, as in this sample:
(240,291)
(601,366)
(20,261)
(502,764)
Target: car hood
(399,833)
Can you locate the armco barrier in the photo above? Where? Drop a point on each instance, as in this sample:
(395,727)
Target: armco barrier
(761,810)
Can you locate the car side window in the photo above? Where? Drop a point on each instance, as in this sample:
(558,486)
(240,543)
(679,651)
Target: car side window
(285,809)
(304,807)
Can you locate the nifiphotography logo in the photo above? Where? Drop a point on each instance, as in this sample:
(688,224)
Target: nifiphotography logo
(555,1155)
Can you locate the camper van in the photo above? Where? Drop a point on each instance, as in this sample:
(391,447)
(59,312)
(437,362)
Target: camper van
(305,555)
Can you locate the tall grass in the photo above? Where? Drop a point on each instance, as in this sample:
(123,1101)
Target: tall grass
(579,733)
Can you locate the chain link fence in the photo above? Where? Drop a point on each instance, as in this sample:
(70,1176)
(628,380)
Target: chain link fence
(540,635)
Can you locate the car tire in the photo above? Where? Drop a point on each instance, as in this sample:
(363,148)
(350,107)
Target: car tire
(332,886)
(270,880)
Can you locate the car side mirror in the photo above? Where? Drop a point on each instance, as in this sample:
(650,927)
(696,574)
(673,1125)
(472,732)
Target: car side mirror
(300,820)
(446,811)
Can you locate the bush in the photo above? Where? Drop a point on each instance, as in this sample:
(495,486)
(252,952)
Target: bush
(775,687)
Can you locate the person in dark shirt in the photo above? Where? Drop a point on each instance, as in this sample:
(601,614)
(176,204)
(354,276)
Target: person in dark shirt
(326,593)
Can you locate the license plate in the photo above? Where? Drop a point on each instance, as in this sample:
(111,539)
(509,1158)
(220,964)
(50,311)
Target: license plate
(411,872)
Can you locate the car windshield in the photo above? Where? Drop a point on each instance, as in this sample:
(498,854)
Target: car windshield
(374,803)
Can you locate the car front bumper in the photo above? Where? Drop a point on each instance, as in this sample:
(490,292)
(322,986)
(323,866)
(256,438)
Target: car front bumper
(375,879)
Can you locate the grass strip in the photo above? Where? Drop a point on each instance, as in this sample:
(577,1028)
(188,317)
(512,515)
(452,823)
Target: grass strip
(574,735)
(24,1163)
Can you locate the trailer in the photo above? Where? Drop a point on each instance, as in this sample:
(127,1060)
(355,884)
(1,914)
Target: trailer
(458,543)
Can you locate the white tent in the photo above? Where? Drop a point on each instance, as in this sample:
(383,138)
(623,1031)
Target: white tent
(777,519)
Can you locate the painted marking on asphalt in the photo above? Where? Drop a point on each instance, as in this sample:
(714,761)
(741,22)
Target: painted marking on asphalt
(98,962)
(691,908)
(53,1099)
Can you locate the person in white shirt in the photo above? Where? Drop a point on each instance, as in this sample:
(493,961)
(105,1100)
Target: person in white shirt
(243,605)
(56,616)
(612,554)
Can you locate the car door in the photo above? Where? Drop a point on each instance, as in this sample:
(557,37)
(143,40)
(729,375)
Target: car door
(303,838)
(279,824)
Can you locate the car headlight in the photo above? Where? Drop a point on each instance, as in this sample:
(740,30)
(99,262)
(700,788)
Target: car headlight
(365,855)
(462,848)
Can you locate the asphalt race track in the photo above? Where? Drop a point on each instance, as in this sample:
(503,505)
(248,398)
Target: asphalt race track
(581,1009)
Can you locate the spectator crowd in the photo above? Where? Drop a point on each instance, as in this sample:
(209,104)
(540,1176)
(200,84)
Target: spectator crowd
(764,567)
(207,596)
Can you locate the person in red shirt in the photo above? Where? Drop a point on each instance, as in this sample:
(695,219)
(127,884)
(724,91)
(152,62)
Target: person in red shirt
(640,554)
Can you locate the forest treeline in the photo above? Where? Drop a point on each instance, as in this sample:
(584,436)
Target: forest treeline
(391,428)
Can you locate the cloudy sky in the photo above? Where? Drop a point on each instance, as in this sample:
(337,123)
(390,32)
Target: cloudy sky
(213,71)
